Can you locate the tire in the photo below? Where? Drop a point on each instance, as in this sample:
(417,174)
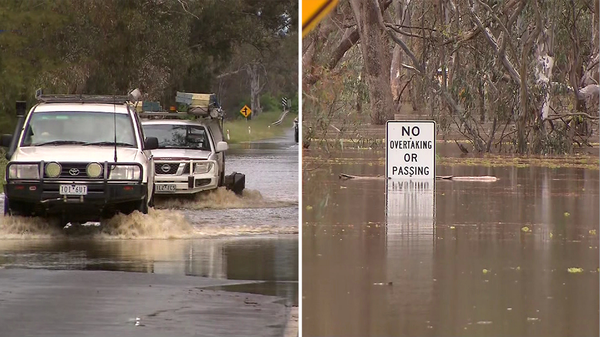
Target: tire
(222,174)
(143,206)
(151,203)
(17,209)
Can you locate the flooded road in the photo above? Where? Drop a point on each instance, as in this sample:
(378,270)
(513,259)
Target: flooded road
(515,257)
(190,251)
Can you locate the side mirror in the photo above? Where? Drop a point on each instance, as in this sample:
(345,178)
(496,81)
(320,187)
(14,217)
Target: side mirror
(151,143)
(222,147)
(21,108)
(5,140)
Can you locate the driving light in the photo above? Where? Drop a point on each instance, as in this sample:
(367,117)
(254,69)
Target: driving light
(93,170)
(203,167)
(24,171)
(53,170)
(124,172)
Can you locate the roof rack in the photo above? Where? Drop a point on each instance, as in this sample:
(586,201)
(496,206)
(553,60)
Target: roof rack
(73,98)
(82,99)
(175,115)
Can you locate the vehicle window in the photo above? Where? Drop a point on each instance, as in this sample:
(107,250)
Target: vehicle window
(79,127)
(179,136)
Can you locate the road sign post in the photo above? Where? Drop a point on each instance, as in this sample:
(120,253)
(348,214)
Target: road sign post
(284,103)
(410,183)
(246,111)
(410,150)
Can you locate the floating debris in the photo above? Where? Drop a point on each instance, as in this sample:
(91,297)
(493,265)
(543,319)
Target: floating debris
(452,227)
(592,231)
(567,214)
(308,208)
(484,322)
(532,319)
(575,270)
(526,229)
(485,271)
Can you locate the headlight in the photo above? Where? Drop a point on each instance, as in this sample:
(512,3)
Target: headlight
(53,170)
(93,170)
(203,167)
(124,172)
(24,171)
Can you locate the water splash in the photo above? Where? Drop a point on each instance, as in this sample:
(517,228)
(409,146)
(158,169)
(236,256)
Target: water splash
(157,224)
(220,198)
(32,228)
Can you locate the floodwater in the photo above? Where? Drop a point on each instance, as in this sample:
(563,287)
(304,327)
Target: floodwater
(252,239)
(514,257)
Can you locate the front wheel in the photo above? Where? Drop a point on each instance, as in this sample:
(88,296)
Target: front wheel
(143,206)
(222,174)
(17,208)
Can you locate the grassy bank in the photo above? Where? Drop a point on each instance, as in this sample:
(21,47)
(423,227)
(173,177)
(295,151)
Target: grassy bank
(260,127)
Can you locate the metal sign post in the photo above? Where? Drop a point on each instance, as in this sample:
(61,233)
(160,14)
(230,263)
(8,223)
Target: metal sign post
(284,103)
(245,111)
(410,185)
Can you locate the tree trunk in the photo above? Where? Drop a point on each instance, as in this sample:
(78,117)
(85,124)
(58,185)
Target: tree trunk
(253,71)
(396,71)
(377,62)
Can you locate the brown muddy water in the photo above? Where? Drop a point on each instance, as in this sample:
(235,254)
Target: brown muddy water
(515,257)
(249,242)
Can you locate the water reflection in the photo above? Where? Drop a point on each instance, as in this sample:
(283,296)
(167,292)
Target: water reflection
(491,260)
(271,259)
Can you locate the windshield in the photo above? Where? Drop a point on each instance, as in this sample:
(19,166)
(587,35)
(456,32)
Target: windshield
(179,136)
(78,127)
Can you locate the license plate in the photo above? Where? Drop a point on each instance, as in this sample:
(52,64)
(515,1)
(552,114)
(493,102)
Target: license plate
(73,190)
(166,188)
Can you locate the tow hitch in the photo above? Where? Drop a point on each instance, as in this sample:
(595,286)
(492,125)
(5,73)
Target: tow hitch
(235,182)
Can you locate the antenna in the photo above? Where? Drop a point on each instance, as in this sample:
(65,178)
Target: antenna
(115,128)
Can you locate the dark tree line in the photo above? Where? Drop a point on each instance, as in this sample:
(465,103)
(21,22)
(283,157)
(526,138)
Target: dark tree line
(508,75)
(159,46)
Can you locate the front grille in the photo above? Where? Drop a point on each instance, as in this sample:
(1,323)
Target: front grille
(72,171)
(169,168)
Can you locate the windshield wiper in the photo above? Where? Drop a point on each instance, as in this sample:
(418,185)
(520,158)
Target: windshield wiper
(60,142)
(109,143)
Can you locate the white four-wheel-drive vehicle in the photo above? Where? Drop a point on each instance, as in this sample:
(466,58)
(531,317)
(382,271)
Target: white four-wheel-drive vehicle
(78,157)
(190,157)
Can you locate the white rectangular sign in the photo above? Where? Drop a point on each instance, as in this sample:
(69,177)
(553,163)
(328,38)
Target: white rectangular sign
(410,150)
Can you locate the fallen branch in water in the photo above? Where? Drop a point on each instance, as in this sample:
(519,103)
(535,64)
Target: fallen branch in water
(464,178)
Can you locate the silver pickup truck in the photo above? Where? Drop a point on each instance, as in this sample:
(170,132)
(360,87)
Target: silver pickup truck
(190,157)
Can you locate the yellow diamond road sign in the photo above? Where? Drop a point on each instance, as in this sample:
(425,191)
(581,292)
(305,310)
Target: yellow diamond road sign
(313,11)
(245,111)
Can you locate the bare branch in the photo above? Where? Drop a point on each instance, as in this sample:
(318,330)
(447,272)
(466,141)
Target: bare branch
(185,9)
(400,31)
(506,32)
(499,52)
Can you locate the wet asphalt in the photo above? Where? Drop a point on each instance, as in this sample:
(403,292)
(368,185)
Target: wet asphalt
(219,265)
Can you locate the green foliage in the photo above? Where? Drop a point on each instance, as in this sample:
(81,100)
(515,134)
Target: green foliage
(270,103)
(112,46)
